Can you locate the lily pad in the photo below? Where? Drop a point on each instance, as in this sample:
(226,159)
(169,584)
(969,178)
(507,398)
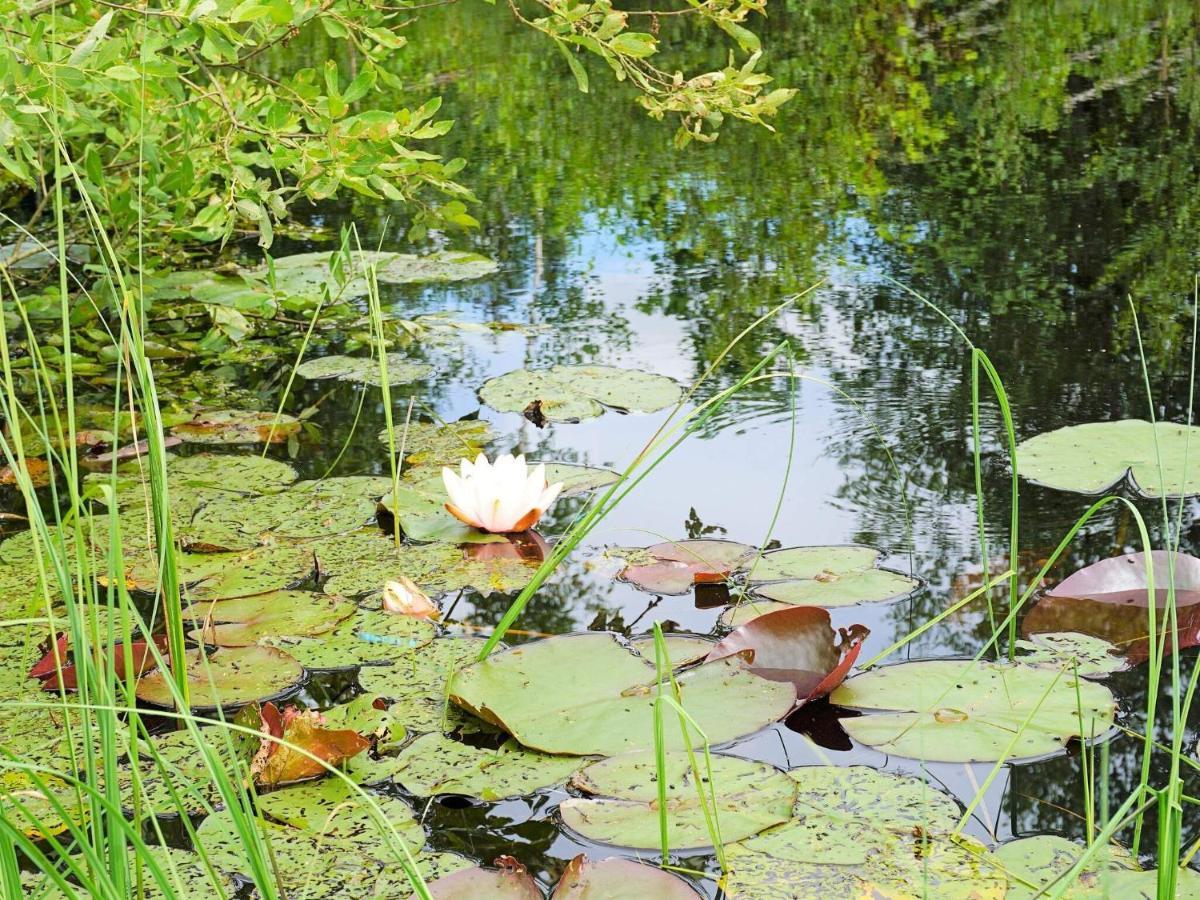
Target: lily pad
(857,832)
(221,576)
(619,879)
(174,774)
(574,393)
(367,636)
(682,649)
(1122,580)
(230,677)
(826,576)
(306,273)
(622,808)
(510,881)
(309,509)
(1043,859)
(1097,456)
(429,444)
(237,426)
(959,711)
(1125,626)
(605,707)
(674,567)
(435,764)
(363,369)
(1072,652)
(331,808)
(30,807)
(797,645)
(748,609)
(247,620)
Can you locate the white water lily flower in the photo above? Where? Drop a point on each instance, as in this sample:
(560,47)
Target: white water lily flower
(403,598)
(499,497)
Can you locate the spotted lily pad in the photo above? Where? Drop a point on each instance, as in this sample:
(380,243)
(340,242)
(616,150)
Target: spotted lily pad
(509,881)
(959,711)
(622,803)
(332,808)
(1124,626)
(230,677)
(247,620)
(221,576)
(826,576)
(619,879)
(1073,652)
(307,273)
(860,833)
(174,773)
(363,369)
(435,764)
(30,807)
(674,567)
(1097,456)
(748,609)
(605,707)
(1043,859)
(429,444)
(573,393)
(237,426)
(367,636)
(682,649)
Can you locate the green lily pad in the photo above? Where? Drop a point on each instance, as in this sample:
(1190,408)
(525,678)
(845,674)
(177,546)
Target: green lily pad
(619,879)
(247,620)
(367,636)
(364,562)
(1094,457)
(220,576)
(372,716)
(428,444)
(435,764)
(237,426)
(363,369)
(605,707)
(230,677)
(573,393)
(332,808)
(959,711)
(1089,656)
(1144,885)
(1043,859)
(675,567)
(29,807)
(308,273)
(857,832)
(682,650)
(173,762)
(416,681)
(309,509)
(623,806)
(747,609)
(826,576)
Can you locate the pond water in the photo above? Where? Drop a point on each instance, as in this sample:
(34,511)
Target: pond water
(1025,188)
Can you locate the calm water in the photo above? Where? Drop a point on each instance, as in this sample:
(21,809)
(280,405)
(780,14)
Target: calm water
(1027,190)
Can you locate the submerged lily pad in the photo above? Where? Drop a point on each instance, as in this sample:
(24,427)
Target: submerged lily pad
(826,576)
(230,677)
(1073,652)
(619,879)
(573,393)
(237,426)
(674,567)
(363,369)
(860,833)
(247,620)
(1097,456)
(605,707)
(429,444)
(623,806)
(366,636)
(435,764)
(960,711)
(306,273)
(331,808)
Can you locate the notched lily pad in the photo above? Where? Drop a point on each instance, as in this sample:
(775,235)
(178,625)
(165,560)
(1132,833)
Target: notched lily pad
(228,678)
(237,426)
(622,806)
(1094,457)
(435,764)
(826,576)
(364,369)
(606,706)
(30,807)
(674,567)
(682,649)
(1070,651)
(574,393)
(960,711)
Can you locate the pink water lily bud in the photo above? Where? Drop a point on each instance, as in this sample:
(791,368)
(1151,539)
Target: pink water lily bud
(403,598)
(500,497)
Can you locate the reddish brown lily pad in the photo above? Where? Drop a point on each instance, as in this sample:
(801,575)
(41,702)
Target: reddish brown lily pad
(1122,580)
(674,567)
(46,668)
(99,460)
(278,764)
(796,645)
(37,469)
(616,877)
(510,880)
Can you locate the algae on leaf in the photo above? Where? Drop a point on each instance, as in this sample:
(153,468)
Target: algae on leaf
(435,764)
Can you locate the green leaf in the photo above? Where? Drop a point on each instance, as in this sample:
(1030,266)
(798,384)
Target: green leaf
(123,73)
(634,43)
(577,69)
(94,36)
